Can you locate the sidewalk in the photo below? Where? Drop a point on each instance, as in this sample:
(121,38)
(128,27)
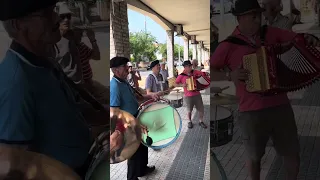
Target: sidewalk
(187,158)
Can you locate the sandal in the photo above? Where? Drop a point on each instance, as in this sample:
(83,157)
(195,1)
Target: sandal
(203,125)
(190,125)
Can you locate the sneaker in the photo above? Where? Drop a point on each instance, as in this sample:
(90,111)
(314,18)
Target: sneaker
(148,170)
(203,125)
(190,125)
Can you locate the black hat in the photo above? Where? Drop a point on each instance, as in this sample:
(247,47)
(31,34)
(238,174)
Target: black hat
(242,7)
(153,64)
(11,9)
(118,61)
(186,63)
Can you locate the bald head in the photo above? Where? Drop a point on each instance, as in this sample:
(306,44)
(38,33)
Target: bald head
(273,8)
(194,63)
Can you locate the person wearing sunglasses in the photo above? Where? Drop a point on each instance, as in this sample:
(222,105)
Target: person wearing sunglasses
(66,51)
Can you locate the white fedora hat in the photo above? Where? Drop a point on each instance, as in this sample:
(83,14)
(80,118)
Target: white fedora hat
(62,8)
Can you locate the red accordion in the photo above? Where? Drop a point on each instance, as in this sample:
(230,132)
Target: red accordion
(198,81)
(271,72)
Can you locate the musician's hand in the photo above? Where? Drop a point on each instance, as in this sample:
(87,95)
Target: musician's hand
(116,140)
(144,129)
(312,40)
(184,85)
(155,96)
(239,74)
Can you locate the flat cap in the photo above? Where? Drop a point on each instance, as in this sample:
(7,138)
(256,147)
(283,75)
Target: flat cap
(186,63)
(12,9)
(118,61)
(154,63)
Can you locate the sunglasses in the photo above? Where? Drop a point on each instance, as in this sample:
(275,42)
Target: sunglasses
(65,16)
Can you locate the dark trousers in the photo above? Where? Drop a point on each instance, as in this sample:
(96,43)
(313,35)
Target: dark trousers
(137,163)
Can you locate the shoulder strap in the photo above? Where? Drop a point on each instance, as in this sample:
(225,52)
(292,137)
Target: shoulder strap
(236,40)
(263,34)
(183,74)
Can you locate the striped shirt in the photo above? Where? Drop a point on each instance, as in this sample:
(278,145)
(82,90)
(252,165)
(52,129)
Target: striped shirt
(282,22)
(85,56)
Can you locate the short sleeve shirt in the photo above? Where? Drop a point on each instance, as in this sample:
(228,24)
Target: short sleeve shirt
(37,109)
(156,85)
(164,74)
(67,55)
(122,96)
(229,56)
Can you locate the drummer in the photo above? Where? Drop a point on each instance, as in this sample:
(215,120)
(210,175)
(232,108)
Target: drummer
(38,108)
(155,82)
(192,98)
(122,96)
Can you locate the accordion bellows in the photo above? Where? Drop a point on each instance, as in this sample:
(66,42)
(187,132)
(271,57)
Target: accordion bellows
(198,83)
(273,72)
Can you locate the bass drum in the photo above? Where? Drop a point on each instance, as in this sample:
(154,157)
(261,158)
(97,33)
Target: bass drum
(163,122)
(216,170)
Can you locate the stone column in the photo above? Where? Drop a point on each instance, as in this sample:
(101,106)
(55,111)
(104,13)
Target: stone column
(203,53)
(199,54)
(194,51)
(119,31)
(186,49)
(170,51)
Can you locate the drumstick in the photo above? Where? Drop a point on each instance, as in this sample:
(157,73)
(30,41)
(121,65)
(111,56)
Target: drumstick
(227,87)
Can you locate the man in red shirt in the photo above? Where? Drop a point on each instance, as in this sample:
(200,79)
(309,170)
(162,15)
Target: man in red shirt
(260,117)
(192,98)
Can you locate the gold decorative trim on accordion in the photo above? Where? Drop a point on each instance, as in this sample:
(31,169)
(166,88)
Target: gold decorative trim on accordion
(190,84)
(258,77)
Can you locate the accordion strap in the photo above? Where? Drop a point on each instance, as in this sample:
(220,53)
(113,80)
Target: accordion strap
(238,41)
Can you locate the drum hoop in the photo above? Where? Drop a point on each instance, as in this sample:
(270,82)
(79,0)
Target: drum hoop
(179,130)
(221,170)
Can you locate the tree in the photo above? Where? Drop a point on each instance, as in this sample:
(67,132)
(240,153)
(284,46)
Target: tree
(143,46)
(163,51)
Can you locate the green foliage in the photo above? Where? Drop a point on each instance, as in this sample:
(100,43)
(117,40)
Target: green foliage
(143,46)
(163,51)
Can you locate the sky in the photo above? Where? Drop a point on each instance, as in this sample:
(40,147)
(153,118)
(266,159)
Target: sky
(137,23)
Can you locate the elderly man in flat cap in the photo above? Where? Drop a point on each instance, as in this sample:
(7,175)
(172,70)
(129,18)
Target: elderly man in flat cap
(39,105)
(155,82)
(124,97)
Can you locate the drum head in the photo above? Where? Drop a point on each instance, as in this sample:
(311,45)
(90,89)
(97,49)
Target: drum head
(131,138)
(216,170)
(20,164)
(220,112)
(173,96)
(163,122)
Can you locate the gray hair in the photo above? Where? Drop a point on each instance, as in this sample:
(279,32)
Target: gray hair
(10,28)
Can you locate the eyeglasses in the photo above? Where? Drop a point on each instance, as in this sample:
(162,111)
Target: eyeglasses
(65,16)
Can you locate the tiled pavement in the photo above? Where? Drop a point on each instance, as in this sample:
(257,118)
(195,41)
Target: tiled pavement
(186,158)
(306,105)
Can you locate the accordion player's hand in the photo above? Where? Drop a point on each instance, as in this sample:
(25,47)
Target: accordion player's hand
(312,40)
(239,74)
